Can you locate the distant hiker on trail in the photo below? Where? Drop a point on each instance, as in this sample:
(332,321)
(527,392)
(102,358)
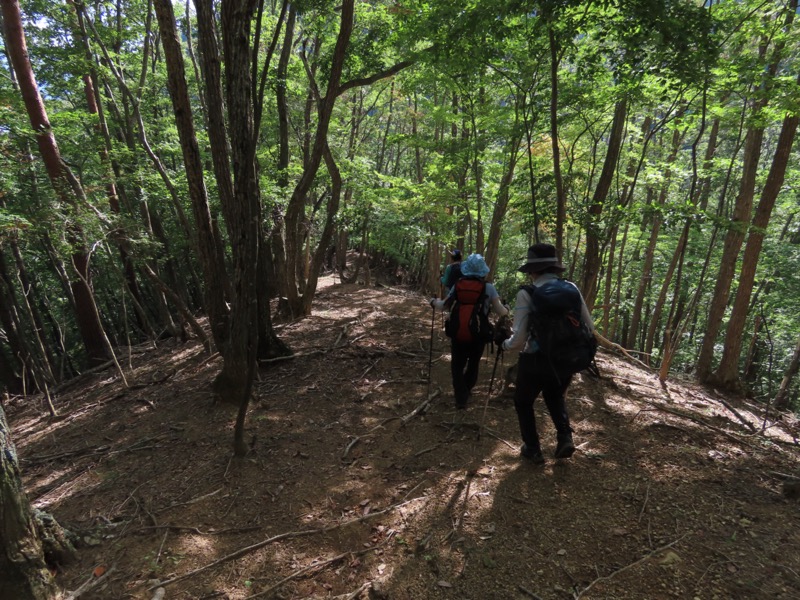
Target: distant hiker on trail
(553,324)
(468,326)
(452,272)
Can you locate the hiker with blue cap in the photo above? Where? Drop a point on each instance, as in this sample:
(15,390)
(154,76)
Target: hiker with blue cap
(468,327)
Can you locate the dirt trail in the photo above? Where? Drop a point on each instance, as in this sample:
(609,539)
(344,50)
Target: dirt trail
(350,493)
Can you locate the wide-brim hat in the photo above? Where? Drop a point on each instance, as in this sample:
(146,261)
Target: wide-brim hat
(474,266)
(536,264)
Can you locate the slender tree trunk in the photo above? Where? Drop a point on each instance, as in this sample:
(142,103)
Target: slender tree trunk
(15,363)
(95,107)
(16,46)
(593,241)
(41,357)
(609,280)
(295,210)
(190,51)
(212,75)
(501,206)
(561,196)
(243,216)
(327,231)
(697,196)
(277,243)
(205,238)
(732,244)
(477,170)
(782,397)
(741,216)
(655,229)
(727,373)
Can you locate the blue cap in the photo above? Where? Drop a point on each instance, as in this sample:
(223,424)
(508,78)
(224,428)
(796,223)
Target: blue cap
(474,266)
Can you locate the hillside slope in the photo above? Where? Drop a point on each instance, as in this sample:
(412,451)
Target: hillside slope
(358,487)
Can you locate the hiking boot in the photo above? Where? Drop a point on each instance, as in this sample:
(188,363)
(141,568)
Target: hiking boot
(565,448)
(535,456)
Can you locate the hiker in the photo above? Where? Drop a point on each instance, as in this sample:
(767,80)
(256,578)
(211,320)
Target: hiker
(470,301)
(452,272)
(539,370)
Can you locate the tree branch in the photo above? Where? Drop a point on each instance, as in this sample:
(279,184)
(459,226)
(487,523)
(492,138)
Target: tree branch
(373,78)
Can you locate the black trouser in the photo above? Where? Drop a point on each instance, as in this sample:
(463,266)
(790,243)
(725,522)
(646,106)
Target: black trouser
(534,375)
(465,360)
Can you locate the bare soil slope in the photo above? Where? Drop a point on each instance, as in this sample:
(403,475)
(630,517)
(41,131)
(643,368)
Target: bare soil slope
(358,487)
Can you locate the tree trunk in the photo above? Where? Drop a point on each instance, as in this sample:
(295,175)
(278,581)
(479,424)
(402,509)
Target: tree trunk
(85,310)
(327,231)
(561,196)
(697,197)
(727,373)
(295,210)
(205,237)
(212,76)
(593,242)
(95,107)
(732,244)
(741,216)
(13,371)
(501,206)
(25,573)
(36,353)
(243,216)
(753,360)
(782,397)
(655,229)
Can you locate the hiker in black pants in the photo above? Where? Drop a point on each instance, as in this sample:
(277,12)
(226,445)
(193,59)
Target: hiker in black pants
(469,334)
(536,373)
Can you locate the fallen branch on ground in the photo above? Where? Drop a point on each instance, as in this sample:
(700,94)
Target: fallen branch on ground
(639,383)
(694,419)
(195,530)
(496,436)
(192,501)
(276,538)
(609,345)
(319,565)
(90,584)
(358,438)
(630,566)
(383,423)
(422,407)
(528,593)
(744,421)
(353,595)
(91,451)
(290,357)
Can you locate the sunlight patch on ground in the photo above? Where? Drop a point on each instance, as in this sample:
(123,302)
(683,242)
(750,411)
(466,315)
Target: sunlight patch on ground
(28,431)
(336,314)
(83,483)
(194,545)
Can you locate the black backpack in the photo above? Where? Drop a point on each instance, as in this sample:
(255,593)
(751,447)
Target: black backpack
(555,322)
(468,321)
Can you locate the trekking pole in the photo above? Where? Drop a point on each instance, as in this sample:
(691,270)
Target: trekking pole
(489,395)
(430,355)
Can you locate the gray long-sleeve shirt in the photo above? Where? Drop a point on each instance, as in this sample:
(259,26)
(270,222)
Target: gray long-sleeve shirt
(522,307)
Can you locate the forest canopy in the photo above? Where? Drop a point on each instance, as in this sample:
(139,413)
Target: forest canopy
(174,168)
